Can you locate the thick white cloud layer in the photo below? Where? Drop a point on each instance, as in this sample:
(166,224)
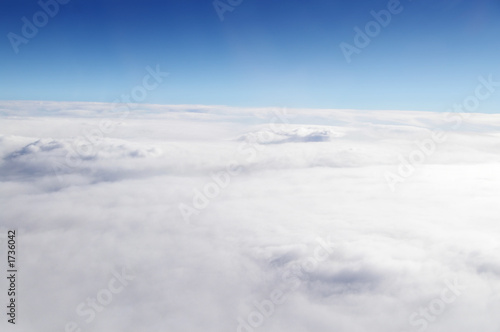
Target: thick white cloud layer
(250,219)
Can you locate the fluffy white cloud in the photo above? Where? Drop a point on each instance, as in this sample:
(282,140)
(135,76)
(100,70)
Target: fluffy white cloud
(250,219)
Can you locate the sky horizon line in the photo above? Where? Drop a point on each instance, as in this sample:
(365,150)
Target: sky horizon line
(238,106)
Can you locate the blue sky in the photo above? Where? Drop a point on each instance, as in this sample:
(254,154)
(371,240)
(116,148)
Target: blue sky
(264,53)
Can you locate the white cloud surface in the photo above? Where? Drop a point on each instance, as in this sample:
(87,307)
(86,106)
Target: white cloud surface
(296,204)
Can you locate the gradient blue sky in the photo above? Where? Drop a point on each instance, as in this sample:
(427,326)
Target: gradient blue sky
(265,53)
